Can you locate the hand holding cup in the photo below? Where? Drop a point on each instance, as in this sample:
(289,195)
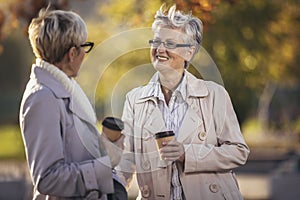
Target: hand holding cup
(162,138)
(112,128)
(113,139)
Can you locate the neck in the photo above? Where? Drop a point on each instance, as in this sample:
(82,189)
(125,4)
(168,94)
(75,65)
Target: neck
(64,66)
(169,83)
(170,80)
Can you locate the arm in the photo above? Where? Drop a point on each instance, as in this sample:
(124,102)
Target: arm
(40,124)
(126,166)
(230,151)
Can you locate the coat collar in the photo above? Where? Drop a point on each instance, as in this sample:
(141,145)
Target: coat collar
(44,77)
(155,123)
(63,87)
(78,100)
(195,87)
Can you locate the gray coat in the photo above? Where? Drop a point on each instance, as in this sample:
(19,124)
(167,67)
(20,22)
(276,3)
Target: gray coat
(62,146)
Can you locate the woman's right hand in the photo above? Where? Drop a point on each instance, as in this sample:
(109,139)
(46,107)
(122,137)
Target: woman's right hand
(113,149)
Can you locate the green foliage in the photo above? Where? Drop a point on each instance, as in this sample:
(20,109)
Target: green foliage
(15,62)
(130,13)
(254,42)
(11,144)
(126,72)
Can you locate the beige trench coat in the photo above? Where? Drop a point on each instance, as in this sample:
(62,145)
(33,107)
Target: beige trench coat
(210,134)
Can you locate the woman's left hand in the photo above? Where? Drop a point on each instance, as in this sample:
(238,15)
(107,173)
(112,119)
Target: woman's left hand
(172,151)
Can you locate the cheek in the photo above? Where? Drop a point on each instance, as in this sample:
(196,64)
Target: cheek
(152,54)
(81,57)
(79,61)
(177,55)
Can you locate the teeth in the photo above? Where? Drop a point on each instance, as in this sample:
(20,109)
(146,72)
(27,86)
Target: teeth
(162,58)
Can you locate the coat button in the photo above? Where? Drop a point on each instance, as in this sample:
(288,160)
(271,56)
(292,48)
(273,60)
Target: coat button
(202,136)
(145,191)
(213,188)
(146,165)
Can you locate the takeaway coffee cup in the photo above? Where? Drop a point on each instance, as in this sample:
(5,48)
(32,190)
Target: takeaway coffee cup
(161,137)
(112,127)
(164,136)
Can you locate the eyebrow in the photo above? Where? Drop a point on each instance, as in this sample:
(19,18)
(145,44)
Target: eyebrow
(167,40)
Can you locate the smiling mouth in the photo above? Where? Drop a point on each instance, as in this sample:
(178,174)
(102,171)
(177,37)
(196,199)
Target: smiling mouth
(162,58)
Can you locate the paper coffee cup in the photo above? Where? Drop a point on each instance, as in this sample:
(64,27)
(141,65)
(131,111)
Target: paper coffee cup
(164,136)
(112,127)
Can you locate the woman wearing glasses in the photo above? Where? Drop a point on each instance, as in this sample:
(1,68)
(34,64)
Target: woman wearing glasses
(66,156)
(208,143)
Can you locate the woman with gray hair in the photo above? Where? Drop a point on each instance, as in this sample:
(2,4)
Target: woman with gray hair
(208,143)
(67,157)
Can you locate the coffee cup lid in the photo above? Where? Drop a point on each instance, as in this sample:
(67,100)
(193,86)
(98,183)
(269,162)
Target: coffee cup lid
(164,134)
(113,123)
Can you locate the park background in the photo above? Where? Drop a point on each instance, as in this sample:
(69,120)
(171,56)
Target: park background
(254,44)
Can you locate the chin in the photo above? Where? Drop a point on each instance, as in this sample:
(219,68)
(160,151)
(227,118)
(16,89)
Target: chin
(163,67)
(74,75)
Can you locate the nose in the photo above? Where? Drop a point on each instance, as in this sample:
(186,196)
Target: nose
(161,47)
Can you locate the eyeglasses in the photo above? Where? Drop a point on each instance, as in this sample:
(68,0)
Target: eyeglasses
(88,46)
(168,44)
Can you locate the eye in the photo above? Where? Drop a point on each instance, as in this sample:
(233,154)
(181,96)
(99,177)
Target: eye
(170,44)
(156,43)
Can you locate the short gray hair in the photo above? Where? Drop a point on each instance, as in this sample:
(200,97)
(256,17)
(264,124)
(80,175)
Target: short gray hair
(188,24)
(54,32)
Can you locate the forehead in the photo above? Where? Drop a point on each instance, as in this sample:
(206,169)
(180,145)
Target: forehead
(169,33)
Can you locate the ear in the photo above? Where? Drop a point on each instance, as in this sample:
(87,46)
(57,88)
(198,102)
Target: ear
(190,53)
(72,53)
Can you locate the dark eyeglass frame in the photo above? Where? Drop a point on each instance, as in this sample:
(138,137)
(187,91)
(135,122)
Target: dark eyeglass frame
(88,44)
(151,43)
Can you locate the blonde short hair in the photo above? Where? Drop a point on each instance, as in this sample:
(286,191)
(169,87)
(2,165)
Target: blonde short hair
(188,24)
(54,32)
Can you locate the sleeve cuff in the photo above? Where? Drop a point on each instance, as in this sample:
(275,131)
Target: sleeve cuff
(103,173)
(89,176)
(194,154)
(189,162)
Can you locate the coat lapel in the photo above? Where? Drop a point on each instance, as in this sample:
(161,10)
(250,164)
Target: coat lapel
(46,78)
(79,112)
(89,137)
(155,122)
(190,123)
(84,126)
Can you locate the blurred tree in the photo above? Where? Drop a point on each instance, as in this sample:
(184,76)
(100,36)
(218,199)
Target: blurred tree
(15,53)
(136,13)
(254,43)
(118,16)
(18,13)
(201,8)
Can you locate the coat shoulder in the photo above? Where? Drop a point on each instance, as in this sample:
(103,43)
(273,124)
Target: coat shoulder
(215,88)
(135,93)
(38,93)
